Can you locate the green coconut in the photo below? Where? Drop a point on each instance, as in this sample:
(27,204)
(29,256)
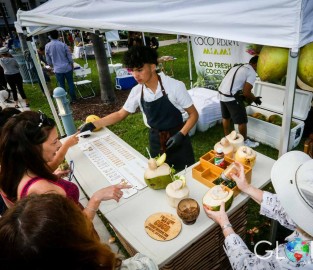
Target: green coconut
(259,116)
(272,63)
(216,195)
(305,65)
(275,119)
(158,176)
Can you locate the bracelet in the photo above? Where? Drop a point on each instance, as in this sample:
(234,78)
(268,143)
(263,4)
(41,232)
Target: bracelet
(91,209)
(228,225)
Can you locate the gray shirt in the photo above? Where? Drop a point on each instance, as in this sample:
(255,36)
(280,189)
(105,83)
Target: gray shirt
(10,65)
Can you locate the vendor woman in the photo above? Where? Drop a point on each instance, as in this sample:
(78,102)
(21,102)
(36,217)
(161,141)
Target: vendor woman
(163,101)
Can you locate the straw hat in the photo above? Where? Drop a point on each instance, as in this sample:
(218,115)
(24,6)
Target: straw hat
(292,178)
(4,50)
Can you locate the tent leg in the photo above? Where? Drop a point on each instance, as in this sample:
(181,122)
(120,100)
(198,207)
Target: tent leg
(287,117)
(288,102)
(46,90)
(189,61)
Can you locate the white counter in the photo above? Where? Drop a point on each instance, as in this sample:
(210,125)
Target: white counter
(128,216)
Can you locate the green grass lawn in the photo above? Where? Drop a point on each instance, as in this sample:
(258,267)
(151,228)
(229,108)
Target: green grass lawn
(133,131)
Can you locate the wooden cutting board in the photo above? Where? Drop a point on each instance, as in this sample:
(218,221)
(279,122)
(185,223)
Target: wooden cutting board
(163,226)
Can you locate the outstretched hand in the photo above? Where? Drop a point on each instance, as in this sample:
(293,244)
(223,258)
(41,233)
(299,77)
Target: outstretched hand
(112,192)
(72,140)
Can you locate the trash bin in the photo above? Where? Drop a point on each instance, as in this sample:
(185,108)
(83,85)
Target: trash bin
(27,69)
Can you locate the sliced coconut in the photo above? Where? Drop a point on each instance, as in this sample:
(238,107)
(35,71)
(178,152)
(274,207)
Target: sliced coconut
(164,169)
(161,159)
(177,184)
(233,135)
(218,192)
(182,178)
(216,195)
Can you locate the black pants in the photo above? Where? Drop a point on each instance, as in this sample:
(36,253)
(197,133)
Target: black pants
(15,82)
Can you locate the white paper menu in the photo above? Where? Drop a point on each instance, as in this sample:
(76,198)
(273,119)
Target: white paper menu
(116,162)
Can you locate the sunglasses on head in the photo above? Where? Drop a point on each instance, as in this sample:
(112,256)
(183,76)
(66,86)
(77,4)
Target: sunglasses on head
(44,120)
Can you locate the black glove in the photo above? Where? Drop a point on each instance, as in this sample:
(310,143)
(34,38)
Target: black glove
(88,126)
(175,140)
(258,101)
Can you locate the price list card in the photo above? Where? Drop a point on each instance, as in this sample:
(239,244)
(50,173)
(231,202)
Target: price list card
(116,163)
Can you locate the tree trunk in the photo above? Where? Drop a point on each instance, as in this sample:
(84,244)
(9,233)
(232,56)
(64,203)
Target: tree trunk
(106,89)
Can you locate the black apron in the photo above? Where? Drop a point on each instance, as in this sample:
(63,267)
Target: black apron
(166,120)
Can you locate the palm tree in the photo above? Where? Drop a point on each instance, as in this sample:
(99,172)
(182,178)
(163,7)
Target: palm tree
(106,89)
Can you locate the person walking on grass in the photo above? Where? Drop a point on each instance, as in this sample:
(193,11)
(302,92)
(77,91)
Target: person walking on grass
(60,58)
(12,75)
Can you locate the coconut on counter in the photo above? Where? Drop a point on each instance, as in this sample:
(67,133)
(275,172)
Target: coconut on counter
(176,191)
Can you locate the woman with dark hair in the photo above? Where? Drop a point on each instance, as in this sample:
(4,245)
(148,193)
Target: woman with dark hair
(50,232)
(6,113)
(29,141)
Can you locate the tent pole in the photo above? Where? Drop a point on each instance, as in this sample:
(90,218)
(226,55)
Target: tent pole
(63,37)
(288,101)
(143,39)
(189,60)
(46,90)
(287,117)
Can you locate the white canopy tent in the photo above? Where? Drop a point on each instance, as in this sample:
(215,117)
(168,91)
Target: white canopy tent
(281,23)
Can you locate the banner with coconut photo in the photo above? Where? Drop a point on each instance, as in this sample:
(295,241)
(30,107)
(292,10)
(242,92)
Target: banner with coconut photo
(213,57)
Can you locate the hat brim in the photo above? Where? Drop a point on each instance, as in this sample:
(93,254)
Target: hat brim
(283,177)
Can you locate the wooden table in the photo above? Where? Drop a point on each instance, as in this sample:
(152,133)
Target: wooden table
(198,246)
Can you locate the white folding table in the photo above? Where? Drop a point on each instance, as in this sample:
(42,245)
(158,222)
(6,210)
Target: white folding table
(198,246)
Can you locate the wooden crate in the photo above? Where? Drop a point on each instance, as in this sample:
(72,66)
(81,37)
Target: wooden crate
(207,172)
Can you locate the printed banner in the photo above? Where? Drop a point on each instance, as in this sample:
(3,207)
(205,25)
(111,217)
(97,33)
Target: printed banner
(214,57)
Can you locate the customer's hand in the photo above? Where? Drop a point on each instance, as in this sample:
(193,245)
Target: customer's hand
(112,192)
(258,101)
(240,178)
(219,217)
(61,173)
(175,140)
(72,140)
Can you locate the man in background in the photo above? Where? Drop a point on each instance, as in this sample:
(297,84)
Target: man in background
(60,58)
(240,77)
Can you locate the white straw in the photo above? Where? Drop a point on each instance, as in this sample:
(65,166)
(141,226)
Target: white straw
(148,152)
(185,170)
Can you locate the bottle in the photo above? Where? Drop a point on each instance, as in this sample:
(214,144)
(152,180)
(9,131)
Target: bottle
(219,158)
(231,169)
